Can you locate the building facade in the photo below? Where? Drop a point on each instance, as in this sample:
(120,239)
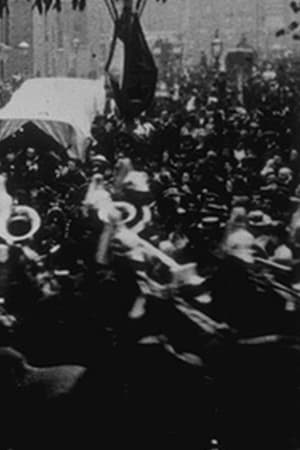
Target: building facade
(17,36)
(74,43)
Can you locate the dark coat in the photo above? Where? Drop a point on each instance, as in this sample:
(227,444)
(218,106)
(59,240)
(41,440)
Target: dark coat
(35,401)
(245,300)
(55,407)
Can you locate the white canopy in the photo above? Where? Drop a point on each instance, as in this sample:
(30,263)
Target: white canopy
(63,108)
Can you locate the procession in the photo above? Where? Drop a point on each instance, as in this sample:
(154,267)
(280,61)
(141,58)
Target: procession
(150,239)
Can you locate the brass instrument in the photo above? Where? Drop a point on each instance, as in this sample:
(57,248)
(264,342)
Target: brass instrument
(22,224)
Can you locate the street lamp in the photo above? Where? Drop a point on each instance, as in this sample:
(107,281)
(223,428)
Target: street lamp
(177,52)
(60,53)
(76,45)
(217,49)
(24,47)
(93,65)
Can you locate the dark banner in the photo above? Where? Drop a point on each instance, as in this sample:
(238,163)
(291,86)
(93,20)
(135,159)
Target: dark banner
(140,73)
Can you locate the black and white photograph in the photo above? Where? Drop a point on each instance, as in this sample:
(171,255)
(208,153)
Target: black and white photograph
(150,224)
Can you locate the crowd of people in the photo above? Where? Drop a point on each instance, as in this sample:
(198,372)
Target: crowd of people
(212,173)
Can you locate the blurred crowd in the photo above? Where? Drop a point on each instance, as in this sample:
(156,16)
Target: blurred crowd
(207,365)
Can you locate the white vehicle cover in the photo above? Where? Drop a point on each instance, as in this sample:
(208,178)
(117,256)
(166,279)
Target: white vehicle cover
(63,108)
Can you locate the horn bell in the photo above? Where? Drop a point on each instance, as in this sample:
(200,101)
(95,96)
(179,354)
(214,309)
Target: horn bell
(22,224)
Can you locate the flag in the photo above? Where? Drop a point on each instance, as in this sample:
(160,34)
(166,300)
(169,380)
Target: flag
(131,68)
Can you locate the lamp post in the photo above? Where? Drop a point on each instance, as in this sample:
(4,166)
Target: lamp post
(177,52)
(157,54)
(217,49)
(60,52)
(24,47)
(93,65)
(76,45)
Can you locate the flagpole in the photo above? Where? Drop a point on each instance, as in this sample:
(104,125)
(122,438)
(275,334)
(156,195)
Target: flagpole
(127,15)
(127,12)
(128,6)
